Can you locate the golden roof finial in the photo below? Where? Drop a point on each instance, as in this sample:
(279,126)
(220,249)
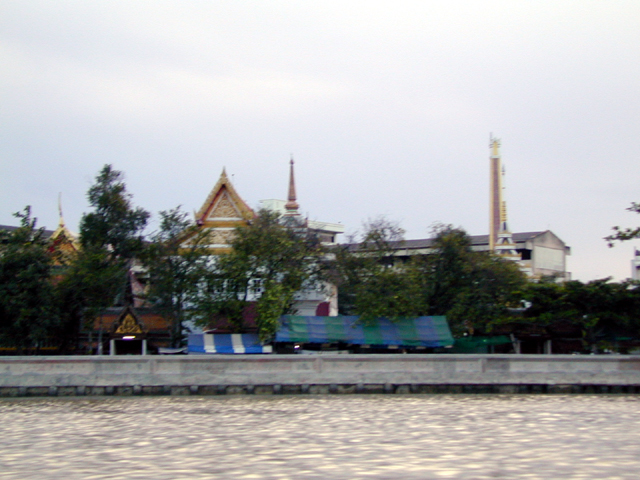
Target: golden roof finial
(494,144)
(61,219)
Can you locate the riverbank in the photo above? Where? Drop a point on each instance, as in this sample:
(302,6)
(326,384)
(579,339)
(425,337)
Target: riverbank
(321,374)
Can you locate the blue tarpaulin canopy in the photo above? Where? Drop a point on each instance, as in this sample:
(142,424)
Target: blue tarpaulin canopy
(411,332)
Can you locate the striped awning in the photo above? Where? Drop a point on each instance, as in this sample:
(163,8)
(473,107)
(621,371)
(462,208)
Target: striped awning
(411,332)
(226,343)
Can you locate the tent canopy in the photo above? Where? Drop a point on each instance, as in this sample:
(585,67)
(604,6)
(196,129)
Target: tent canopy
(411,332)
(226,343)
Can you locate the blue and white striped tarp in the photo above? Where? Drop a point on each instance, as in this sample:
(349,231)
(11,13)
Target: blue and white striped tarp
(226,343)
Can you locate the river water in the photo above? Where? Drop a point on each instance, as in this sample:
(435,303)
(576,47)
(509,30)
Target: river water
(322,437)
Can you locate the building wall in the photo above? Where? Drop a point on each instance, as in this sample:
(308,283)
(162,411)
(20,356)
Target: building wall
(548,255)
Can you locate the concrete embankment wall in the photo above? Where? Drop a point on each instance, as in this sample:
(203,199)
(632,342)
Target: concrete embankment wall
(264,374)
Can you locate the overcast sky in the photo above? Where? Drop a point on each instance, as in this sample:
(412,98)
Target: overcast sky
(386,106)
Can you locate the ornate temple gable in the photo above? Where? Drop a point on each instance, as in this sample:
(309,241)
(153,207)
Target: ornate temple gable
(223,203)
(221,213)
(224,208)
(65,238)
(128,324)
(63,243)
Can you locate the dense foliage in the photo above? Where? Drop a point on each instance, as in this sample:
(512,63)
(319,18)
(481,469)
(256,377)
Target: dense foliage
(604,312)
(111,238)
(178,266)
(28,307)
(370,284)
(268,263)
(471,288)
(47,299)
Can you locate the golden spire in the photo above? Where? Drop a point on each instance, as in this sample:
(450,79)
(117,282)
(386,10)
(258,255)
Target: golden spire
(495,191)
(61,219)
(495,147)
(500,238)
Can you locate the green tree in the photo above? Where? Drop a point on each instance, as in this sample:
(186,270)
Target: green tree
(447,272)
(275,301)
(28,309)
(267,260)
(90,283)
(623,234)
(603,310)
(110,237)
(114,224)
(473,289)
(370,282)
(495,286)
(178,265)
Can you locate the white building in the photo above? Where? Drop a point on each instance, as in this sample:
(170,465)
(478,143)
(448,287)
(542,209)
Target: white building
(538,253)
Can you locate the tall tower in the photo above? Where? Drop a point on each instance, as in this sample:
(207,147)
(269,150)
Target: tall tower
(292,217)
(500,238)
(291,206)
(495,191)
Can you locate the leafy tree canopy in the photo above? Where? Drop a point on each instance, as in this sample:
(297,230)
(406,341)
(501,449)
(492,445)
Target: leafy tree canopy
(623,234)
(471,288)
(601,309)
(269,261)
(114,223)
(370,283)
(28,309)
(111,237)
(178,265)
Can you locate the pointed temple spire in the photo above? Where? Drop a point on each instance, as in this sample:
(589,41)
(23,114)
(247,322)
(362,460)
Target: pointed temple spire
(500,238)
(495,191)
(292,205)
(61,219)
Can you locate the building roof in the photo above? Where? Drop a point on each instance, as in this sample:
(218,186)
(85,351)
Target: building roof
(476,241)
(223,203)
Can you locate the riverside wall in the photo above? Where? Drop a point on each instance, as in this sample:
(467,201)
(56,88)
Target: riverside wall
(333,373)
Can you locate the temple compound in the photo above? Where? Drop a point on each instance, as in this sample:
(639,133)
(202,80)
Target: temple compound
(224,210)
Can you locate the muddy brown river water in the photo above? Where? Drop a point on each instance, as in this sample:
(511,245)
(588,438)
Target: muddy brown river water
(322,437)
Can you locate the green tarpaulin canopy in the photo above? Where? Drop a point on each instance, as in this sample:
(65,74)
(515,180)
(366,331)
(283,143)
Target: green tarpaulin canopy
(411,332)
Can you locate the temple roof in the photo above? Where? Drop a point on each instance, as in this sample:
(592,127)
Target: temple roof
(223,203)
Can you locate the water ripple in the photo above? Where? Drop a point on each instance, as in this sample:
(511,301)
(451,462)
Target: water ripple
(320,437)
